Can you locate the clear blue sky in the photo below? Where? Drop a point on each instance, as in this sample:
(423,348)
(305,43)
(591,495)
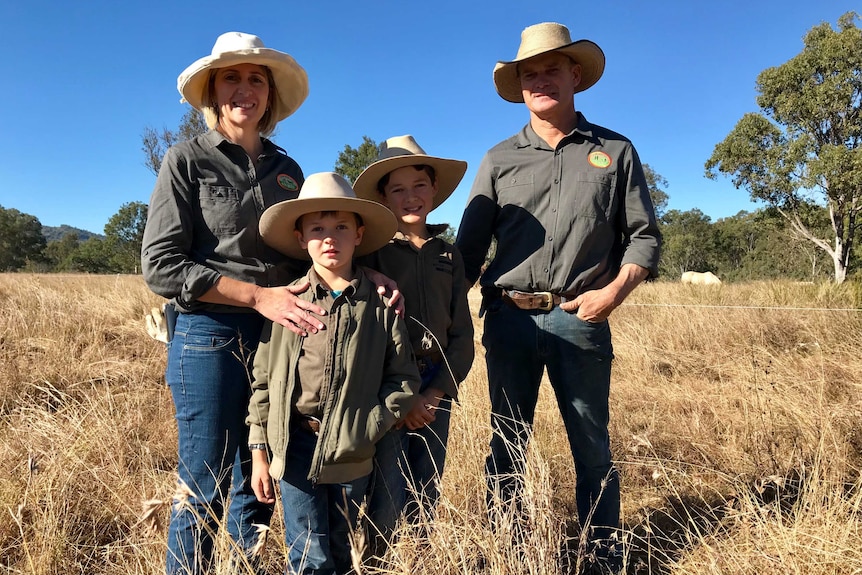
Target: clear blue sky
(83,80)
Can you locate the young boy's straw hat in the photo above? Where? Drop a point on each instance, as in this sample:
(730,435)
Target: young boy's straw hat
(324,192)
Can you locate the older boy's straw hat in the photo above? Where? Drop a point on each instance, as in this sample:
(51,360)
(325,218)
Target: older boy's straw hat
(541,39)
(403,151)
(323,192)
(291,81)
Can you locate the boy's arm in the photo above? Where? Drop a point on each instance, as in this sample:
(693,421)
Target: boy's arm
(399,387)
(460,349)
(258,404)
(261,482)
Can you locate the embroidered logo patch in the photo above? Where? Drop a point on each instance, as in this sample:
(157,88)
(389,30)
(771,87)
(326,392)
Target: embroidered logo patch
(287,183)
(599,159)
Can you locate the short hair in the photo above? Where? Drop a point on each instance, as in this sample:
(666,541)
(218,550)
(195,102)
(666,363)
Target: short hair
(267,123)
(381,183)
(324,213)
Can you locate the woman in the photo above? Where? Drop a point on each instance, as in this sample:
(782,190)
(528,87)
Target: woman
(202,250)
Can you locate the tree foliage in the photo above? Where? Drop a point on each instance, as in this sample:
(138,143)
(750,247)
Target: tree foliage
(21,239)
(352,161)
(154,144)
(805,147)
(656,184)
(124,234)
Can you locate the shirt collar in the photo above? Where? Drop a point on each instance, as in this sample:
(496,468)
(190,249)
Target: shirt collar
(320,290)
(527,137)
(214,139)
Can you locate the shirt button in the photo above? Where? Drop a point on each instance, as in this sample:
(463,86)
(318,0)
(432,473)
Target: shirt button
(556,181)
(550,239)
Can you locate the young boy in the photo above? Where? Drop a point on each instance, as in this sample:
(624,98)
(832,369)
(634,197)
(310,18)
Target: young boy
(321,402)
(430,274)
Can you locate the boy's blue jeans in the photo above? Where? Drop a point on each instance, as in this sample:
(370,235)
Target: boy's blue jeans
(208,374)
(408,466)
(318,520)
(519,346)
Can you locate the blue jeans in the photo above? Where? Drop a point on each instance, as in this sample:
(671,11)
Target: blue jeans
(519,345)
(208,372)
(408,466)
(318,519)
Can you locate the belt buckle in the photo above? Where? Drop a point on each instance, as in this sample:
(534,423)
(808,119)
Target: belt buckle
(549,302)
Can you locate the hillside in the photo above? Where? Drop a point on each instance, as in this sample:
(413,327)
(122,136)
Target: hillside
(55,233)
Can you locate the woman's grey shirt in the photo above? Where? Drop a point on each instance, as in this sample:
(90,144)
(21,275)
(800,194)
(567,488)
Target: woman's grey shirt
(203,220)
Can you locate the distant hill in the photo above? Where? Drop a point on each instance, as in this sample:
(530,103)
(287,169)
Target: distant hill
(54,233)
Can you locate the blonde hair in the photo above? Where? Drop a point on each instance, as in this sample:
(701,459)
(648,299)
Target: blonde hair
(267,123)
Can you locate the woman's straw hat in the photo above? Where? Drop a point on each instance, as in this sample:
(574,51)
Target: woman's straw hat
(291,81)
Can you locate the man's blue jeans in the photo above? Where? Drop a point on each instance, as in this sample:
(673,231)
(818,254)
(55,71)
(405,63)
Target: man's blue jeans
(408,466)
(318,519)
(209,377)
(519,345)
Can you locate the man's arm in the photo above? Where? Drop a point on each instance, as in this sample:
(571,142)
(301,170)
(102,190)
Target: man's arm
(597,305)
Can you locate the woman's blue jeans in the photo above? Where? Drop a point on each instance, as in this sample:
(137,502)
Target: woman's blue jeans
(318,519)
(208,371)
(519,346)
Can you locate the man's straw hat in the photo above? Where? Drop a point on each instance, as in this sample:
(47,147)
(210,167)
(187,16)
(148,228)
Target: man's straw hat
(323,192)
(541,39)
(291,81)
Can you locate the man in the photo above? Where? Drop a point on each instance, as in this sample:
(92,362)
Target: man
(568,204)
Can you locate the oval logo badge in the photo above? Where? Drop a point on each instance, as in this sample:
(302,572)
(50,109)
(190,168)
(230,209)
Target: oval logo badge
(287,183)
(599,159)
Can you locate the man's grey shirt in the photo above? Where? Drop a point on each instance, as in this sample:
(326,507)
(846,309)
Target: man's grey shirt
(565,219)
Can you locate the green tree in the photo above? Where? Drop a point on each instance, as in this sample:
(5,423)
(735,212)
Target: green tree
(59,252)
(688,243)
(352,161)
(155,143)
(21,239)
(656,184)
(124,234)
(92,257)
(805,147)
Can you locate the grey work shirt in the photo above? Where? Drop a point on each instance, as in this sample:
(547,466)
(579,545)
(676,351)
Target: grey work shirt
(203,220)
(565,219)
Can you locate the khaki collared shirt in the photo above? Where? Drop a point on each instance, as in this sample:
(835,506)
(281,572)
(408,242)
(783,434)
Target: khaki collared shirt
(315,359)
(431,279)
(203,220)
(565,219)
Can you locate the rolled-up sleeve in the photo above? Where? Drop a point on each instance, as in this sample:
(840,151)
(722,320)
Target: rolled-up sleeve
(477,223)
(642,238)
(166,263)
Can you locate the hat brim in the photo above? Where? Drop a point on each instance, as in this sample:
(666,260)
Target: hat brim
(449,174)
(584,52)
(291,81)
(278,223)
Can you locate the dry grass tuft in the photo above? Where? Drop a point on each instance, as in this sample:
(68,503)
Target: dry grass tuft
(735,425)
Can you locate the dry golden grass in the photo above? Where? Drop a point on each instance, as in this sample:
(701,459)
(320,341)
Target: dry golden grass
(737,428)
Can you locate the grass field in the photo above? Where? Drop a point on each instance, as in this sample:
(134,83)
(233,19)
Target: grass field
(736,424)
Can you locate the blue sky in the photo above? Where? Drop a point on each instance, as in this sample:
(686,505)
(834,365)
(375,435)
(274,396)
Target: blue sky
(83,80)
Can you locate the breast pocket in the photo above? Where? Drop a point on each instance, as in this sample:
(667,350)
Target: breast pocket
(516,190)
(220,208)
(595,195)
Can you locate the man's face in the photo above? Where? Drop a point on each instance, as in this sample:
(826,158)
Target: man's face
(548,82)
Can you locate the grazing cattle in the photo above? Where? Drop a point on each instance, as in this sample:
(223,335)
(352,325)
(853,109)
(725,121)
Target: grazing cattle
(700,279)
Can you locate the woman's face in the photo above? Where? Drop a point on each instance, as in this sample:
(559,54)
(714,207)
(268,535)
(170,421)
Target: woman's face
(241,93)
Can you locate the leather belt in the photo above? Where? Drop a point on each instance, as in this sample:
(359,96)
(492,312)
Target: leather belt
(543,300)
(311,424)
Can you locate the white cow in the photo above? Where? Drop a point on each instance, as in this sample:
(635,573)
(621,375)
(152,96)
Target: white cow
(700,278)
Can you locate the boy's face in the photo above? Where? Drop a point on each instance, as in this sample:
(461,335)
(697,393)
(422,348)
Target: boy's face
(409,194)
(330,238)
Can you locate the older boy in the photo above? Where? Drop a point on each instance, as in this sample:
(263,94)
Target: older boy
(321,402)
(430,273)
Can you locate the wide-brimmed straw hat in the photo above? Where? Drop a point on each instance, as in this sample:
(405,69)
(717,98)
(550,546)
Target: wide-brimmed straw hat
(323,192)
(291,81)
(541,39)
(403,151)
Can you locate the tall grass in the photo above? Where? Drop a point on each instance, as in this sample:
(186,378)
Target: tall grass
(737,428)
